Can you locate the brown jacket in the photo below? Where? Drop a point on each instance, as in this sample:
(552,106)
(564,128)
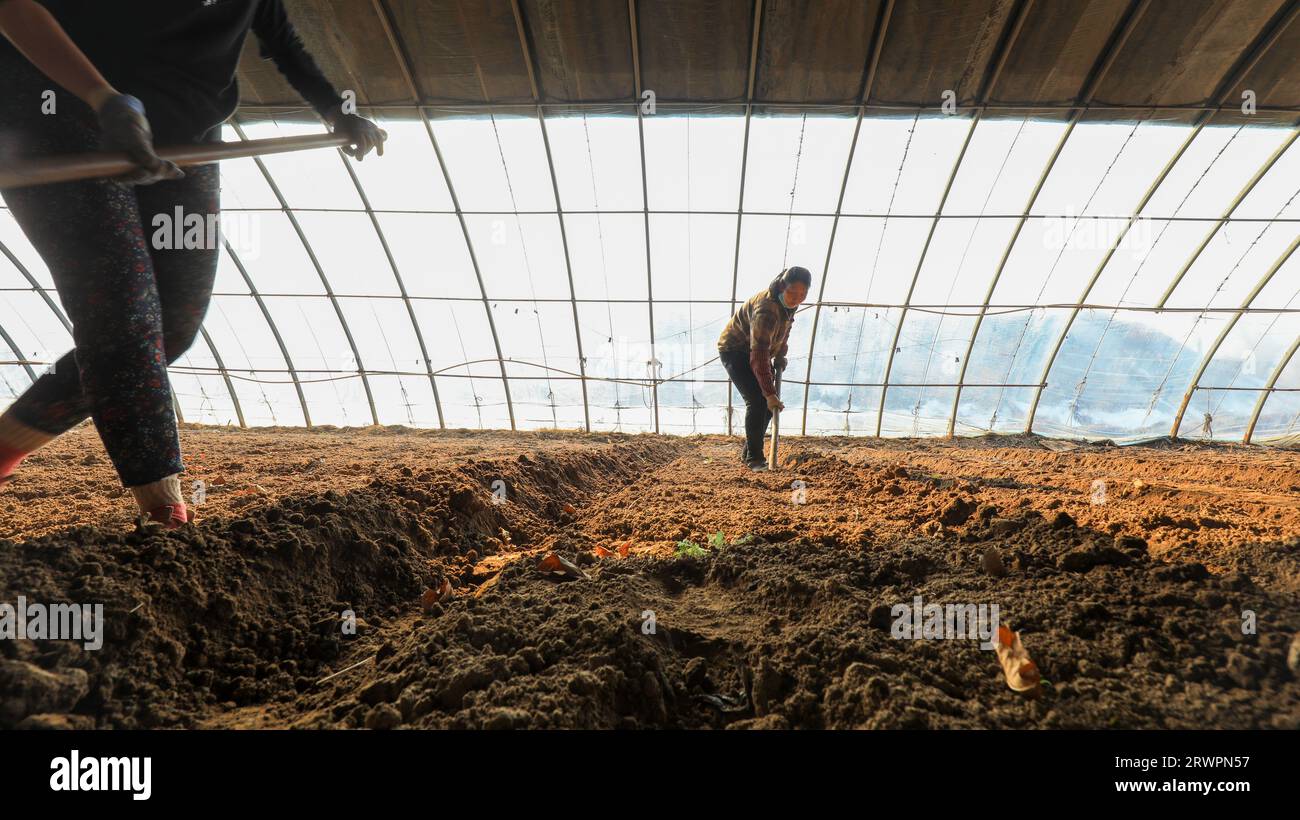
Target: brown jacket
(760,327)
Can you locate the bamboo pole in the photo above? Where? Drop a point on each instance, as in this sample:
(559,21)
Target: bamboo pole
(776,427)
(70,167)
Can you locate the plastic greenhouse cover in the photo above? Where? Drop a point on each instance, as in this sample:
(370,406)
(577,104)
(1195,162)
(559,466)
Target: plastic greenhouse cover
(1102,280)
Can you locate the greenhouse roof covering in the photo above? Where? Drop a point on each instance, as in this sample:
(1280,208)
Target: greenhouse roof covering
(1092,235)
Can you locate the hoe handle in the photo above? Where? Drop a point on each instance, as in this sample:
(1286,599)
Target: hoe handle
(776,427)
(99,164)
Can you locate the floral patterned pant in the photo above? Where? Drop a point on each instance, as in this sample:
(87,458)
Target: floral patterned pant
(134,308)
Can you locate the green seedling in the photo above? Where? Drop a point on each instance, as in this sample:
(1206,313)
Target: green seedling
(689,549)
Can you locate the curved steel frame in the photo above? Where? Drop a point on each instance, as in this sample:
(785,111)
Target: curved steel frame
(1223,334)
(1268,390)
(320,272)
(1234,77)
(1077,110)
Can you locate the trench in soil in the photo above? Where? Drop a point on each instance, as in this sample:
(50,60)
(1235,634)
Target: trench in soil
(1132,609)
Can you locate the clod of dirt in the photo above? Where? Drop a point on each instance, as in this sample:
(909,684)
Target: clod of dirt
(1002,527)
(1063,521)
(957,512)
(1085,558)
(26,689)
(992,563)
(383,716)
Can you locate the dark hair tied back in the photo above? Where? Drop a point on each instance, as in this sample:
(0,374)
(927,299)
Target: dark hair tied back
(788,277)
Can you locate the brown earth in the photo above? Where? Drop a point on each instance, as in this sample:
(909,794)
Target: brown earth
(1129,573)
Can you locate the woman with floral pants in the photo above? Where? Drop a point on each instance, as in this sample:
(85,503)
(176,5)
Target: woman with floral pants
(134,308)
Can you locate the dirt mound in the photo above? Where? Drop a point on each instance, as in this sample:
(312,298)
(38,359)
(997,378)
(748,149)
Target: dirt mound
(402,589)
(251,609)
(797,634)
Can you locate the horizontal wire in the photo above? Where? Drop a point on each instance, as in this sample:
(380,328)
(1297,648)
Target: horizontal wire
(943,310)
(805,214)
(566,375)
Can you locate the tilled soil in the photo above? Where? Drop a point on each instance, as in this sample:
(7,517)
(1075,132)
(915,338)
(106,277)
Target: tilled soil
(383,578)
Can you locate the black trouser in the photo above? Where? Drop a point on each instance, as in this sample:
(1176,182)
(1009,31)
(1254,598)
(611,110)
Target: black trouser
(757,416)
(134,307)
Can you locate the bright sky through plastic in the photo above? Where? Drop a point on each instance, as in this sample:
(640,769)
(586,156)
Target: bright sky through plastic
(961,315)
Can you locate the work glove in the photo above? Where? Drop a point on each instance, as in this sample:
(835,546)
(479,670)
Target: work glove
(774,403)
(123,127)
(779,363)
(363,135)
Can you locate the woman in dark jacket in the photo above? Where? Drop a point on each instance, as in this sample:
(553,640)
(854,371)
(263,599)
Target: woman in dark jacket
(755,340)
(77,76)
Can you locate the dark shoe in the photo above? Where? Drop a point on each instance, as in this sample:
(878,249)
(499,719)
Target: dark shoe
(758,465)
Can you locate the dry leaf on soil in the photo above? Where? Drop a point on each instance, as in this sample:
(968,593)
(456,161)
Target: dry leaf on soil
(1021,672)
(557,567)
(433,595)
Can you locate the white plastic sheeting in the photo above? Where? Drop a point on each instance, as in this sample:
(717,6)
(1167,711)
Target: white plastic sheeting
(1115,280)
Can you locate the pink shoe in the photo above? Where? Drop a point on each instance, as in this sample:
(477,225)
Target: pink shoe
(9,461)
(171,516)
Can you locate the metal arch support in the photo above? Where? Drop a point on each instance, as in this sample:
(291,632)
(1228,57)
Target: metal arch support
(18,354)
(1004,52)
(559,214)
(404,63)
(385,19)
(568,267)
(275,331)
(1227,329)
(1268,390)
(225,375)
(1101,267)
(1094,82)
(997,276)
(826,267)
(473,258)
(744,168)
(401,285)
(916,275)
(320,272)
(1257,52)
(645,205)
(868,82)
(31,374)
(1234,76)
(63,317)
(36,286)
(1218,225)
